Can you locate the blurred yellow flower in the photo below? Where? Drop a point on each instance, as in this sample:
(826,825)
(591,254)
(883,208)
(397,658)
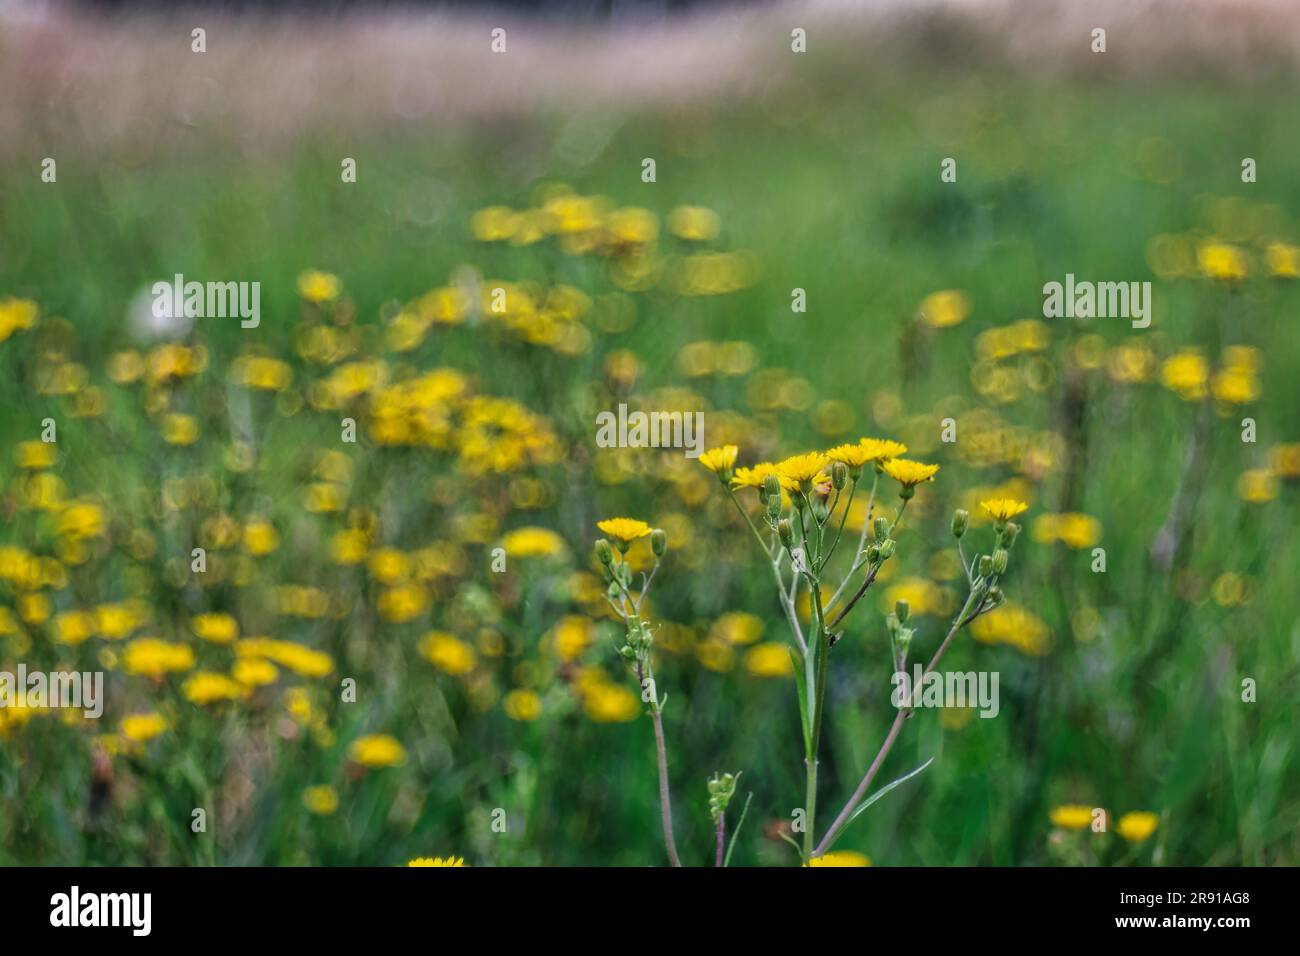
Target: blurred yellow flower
(1137,825)
(771,659)
(693,223)
(254,672)
(533,542)
(449,654)
(319,287)
(1186,373)
(1283,260)
(608,703)
(377,750)
(737,627)
(217,628)
(321,800)
(260,537)
(1072,816)
(140,728)
(206,687)
(522,705)
(840,858)
(35,455)
(1257,486)
(437,861)
(1222,262)
(153,657)
(940,310)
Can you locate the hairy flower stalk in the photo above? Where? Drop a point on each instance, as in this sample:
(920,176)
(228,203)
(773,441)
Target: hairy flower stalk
(611,552)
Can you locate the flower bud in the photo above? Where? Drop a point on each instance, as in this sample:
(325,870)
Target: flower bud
(960,521)
(774,507)
(839,475)
(881,528)
(887,549)
(995,595)
(1000,561)
(772,487)
(873,553)
(902,609)
(658,542)
(604,552)
(985,565)
(785,532)
(1010,533)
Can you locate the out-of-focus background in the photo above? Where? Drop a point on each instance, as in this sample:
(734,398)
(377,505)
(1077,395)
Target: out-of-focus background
(775,170)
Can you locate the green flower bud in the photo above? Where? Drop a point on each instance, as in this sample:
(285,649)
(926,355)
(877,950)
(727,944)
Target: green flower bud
(881,528)
(873,554)
(960,521)
(1000,557)
(604,552)
(902,609)
(996,595)
(839,475)
(774,507)
(658,542)
(887,549)
(772,487)
(985,565)
(785,532)
(1010,533)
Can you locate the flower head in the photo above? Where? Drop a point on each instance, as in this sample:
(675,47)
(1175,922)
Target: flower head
(720,461)
(377,750)
(801,468)
(909,473)
(1071,816)
(437,861)
(1137,825)
(1004,509)
(623,530)
(882,449)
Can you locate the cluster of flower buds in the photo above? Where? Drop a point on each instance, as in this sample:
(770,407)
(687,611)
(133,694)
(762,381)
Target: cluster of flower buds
(900,635)
(722,787)
(882,546)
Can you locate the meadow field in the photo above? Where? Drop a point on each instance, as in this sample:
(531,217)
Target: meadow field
(403,646)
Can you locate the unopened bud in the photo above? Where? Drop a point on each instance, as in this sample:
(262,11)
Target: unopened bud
(996,595)
(1000,561)
(887,549)
(785,532)
(839,475)
(604,552)
(658,542)
(960,521)
(1010,533)
(881,528)
(986,565)
(774,507)
(772,487)
(902,609)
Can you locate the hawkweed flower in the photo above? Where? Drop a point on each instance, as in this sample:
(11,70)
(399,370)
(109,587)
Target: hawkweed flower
(909,474)
(721,461)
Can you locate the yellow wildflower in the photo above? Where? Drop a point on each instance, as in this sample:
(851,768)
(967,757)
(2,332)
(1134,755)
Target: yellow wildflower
(1137,825)
(377,750)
